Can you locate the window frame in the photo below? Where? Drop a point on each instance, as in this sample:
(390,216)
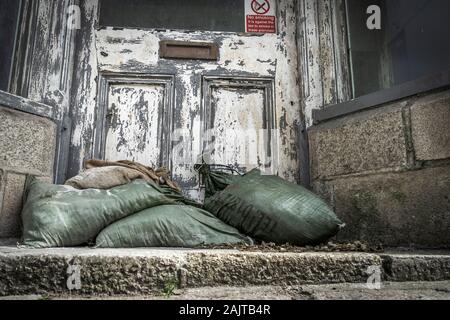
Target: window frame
(98,26)
(14,46)
(428,83)
(434,81)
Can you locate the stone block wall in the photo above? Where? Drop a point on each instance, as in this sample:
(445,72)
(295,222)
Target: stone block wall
(386,171)
(27,147)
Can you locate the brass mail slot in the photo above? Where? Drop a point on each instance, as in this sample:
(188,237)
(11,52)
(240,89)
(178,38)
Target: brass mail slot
(188,50)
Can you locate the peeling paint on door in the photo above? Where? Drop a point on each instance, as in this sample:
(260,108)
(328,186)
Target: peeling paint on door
(265,57)
(135,111)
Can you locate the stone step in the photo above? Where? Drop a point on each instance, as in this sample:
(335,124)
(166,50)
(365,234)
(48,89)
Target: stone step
(429,290)
(149,270)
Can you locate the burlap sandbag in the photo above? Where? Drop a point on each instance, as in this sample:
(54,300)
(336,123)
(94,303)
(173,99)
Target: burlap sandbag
(104,174)
(104,177)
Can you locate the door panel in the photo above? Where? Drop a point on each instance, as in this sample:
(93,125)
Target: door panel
(134,128)
(136,118)
(239,122)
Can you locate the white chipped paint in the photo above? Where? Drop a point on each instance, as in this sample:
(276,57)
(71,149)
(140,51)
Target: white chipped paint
(132,45)
(133,123)
(239,138)
(324,76)
(133,50)
(314,96)
(86,94)
(248,53)
(322,54)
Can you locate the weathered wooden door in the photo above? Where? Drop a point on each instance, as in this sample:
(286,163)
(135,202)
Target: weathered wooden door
(165,96)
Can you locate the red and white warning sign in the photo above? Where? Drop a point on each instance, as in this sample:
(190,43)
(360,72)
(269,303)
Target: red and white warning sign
(260,16)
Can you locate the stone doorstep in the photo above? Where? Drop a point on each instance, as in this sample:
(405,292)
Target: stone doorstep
(437,290)
(148,270)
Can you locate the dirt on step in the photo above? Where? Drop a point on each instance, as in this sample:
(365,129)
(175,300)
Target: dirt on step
(356,246)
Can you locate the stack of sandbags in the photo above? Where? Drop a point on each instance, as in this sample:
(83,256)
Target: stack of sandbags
(126,204)
(61,216)
(132,208)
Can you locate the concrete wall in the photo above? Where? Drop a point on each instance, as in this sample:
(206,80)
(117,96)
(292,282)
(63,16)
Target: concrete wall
(27,147)
(386,171)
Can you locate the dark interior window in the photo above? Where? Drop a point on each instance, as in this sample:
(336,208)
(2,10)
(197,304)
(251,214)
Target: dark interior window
(413,42)
(9,13)
(205,15)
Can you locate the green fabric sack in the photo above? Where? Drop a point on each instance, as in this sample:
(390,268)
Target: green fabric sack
(169,226)
(61,216)
(271,209)
(215,179)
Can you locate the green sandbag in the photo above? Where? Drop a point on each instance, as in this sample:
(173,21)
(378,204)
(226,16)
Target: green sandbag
(61,216)
(271,209)
(169,226)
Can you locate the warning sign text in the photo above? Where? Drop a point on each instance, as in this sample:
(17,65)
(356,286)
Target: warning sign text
(261,24)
